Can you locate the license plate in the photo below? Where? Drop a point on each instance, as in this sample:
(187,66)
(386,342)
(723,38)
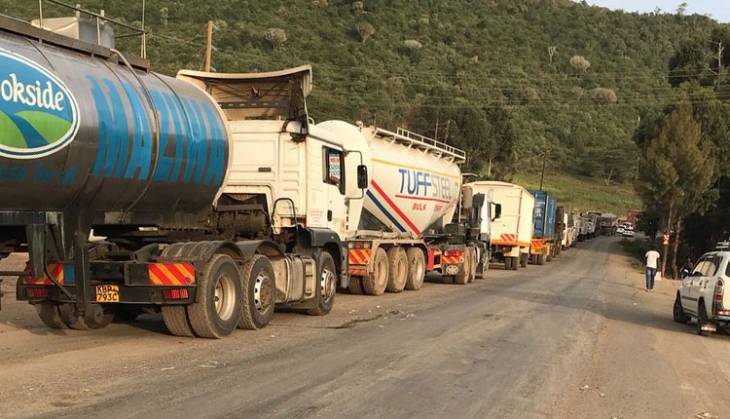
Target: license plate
(107,293)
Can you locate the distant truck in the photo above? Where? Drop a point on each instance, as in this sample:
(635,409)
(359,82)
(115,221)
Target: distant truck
(607,224)
(588,226)
(511,233)
(543,246)
(568,236)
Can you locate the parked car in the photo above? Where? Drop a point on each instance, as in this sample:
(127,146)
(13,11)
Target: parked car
(620,229)
(702,294)
(628,232)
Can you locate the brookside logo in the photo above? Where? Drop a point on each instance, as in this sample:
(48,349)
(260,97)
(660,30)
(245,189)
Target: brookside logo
(38,114)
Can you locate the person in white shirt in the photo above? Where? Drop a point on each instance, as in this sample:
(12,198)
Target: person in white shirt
(652,261)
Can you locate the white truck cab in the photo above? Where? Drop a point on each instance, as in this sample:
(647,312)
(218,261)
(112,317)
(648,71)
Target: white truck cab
(702,294)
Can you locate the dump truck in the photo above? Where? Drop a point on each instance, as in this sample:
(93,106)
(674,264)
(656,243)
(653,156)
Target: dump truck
(511,232)
(545,239)
(215,197)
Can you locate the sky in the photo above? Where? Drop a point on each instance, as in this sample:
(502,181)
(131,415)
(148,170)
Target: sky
(719,9)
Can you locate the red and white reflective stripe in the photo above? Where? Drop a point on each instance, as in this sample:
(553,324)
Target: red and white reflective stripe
(171,273)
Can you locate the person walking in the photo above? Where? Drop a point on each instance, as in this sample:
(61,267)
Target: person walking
(652,261)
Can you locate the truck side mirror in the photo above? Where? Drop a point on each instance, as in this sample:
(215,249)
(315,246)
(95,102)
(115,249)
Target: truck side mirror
(362,176)
(497,212)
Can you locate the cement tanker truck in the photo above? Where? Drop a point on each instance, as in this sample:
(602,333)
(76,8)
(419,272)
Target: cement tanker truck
(216,197)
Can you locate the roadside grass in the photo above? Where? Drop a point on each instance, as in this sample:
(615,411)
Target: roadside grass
(584,193)
(636,249)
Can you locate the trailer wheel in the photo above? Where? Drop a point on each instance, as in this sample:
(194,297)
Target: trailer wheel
(523,259)
(515,265)
(327,285)
(463,277)
(377,280)
(355,286)
(218,309)
(540,259)
(416,269)
(48,312)
(472,252)
(176,320)
(259,291)
(127,312)
(507,263)
(96,316)
(398,269)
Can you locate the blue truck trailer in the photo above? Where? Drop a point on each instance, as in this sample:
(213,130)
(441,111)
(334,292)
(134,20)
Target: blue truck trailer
(545,240)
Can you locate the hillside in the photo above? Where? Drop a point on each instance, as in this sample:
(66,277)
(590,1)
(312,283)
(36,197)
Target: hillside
(508,80)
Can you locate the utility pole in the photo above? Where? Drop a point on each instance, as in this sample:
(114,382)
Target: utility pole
(544,162)
(720,51)
(143,49)
(209,47)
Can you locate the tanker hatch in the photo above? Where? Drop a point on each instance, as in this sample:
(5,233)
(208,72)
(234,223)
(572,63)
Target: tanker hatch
(91,31)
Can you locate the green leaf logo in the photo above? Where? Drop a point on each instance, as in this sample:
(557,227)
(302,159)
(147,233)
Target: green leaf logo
(38,114)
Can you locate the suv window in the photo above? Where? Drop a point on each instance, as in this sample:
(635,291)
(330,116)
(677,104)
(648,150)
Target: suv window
(708,265)
(334,168)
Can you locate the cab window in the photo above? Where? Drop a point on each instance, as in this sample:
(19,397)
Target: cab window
(334,165)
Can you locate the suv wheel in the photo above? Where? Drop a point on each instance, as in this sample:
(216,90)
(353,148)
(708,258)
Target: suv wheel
(701,319)
(679,315)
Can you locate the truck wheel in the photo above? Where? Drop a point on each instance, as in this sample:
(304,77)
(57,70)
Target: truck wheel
(416,269)
(355,286)
(701,319)
(515,265)
(218,309)
(679,315)
(127,312)
(48,312)
(540,259)
(507,263)
(327,285)
(176,320)
(549,255)
(523,259)
(95,316)
(258,289)
(398,269)
(462,278)
(377,280)
(472,252)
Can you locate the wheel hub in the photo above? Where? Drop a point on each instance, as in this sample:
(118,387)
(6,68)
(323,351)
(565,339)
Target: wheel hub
(327,284)
(262,293)
(223,297)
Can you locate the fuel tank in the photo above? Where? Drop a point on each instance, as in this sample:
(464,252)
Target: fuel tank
(82,130)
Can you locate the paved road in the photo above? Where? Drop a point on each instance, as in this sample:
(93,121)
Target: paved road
(576,338)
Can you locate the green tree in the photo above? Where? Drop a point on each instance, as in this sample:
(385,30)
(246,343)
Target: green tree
(677,172)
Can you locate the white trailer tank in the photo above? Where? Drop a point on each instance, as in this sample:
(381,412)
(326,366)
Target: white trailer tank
(414,181)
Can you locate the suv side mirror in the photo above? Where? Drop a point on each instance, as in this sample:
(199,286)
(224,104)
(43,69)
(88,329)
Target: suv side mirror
(497,212)
(362,176)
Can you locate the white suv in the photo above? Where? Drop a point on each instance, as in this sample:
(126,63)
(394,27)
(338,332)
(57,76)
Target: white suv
(702,294)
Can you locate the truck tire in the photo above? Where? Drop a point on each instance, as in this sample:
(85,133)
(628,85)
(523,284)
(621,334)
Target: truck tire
(679,315)
(507,263)
(258,292)
(176,321)
(377,280)
(515,264)
(472,252)
(523,259)
(549,255)
(49,315)
(397,268)
(355,285)
(127,312)
(416,269)
(540,259)
(462,278)
(95,317)
(218,309)
(327,271)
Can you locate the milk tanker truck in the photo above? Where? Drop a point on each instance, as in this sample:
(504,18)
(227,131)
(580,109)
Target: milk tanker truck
(215,197)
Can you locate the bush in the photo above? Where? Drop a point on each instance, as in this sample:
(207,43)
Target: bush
(365,30)
(275,37)
(579,63)
(603,96)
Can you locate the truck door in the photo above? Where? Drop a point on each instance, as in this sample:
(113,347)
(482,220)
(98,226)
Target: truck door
(334,179)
